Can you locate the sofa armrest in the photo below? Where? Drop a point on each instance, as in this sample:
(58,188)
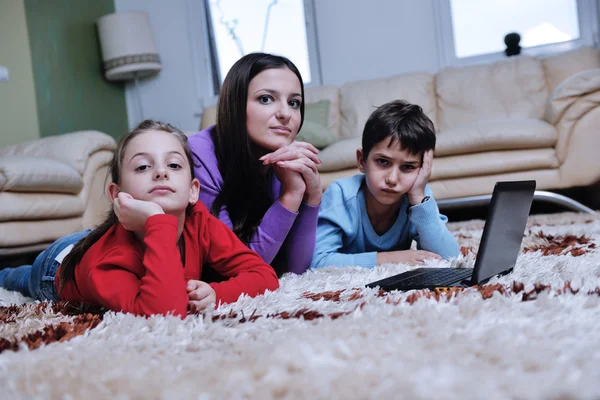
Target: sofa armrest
(569,91)
(38,175)
(209,117)
(93,194)
(73,149)
(571,102)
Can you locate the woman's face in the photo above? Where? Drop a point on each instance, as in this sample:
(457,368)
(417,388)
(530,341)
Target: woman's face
(273,108)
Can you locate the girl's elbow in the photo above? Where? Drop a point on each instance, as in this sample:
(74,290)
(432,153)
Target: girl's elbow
(273,285)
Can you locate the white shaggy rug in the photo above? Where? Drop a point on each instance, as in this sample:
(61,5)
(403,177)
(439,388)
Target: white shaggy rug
(322,335)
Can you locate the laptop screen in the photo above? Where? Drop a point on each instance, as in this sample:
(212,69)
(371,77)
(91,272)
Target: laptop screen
(504,229)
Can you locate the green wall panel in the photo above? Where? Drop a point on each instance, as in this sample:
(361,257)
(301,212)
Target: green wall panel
(71,91)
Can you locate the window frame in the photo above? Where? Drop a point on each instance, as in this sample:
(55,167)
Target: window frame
(311,43)
(587,12)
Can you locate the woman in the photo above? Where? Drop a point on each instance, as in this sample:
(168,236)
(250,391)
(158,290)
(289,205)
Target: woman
(254,177)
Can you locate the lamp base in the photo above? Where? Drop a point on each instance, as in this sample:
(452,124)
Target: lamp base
(128,72)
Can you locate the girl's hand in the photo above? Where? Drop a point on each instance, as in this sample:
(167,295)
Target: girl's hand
(417,191)
(201,295)
(132,213)
(410,257)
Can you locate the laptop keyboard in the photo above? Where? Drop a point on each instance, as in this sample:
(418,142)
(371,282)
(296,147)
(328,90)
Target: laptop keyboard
(438,277)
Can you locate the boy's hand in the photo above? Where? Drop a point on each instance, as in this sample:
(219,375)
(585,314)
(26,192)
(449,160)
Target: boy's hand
(410,257)
(132,213)
(417,191)
(201,295)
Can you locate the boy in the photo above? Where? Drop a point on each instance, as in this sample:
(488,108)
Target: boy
(372,219)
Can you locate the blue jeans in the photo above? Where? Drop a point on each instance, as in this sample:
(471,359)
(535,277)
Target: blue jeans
(37,280)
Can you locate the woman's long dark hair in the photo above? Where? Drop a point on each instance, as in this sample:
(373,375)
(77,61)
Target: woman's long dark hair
(67,267)
(245,192)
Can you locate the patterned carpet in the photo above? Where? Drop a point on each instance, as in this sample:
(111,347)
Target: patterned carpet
(531,334)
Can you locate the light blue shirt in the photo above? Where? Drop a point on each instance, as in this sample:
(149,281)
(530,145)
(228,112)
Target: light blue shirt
(345,236)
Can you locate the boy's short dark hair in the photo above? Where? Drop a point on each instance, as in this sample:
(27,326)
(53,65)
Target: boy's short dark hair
(404,122)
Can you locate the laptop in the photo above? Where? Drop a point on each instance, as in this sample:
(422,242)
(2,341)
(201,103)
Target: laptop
(498,249)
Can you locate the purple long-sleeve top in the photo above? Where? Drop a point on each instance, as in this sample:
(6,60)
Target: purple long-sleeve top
(284,239)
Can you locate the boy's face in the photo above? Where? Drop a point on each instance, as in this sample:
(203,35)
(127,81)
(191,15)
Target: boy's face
(390,171)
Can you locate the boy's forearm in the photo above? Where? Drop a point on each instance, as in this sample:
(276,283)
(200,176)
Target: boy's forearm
(367,260)
(432,232)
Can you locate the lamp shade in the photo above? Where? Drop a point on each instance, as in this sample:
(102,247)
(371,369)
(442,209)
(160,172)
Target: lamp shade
(128,48)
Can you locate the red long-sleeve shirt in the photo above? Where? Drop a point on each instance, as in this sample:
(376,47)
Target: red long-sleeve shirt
(123,274)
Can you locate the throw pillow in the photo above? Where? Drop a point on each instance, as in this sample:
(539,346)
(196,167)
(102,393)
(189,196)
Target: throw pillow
(315,130)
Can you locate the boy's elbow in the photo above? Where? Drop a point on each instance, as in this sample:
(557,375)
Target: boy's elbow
(317,262)
(452,252)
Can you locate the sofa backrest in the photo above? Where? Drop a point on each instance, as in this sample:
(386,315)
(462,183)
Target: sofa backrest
(511,88)
(561,66)
(359,99)
(515,87)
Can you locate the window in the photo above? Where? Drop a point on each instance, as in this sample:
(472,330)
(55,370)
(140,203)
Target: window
(284,27)
(470,31)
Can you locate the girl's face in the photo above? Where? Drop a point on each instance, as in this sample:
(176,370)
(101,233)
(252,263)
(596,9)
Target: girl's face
(155,168)
(273,108)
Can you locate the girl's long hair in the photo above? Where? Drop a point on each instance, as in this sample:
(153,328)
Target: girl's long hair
(67,267)
(246,190)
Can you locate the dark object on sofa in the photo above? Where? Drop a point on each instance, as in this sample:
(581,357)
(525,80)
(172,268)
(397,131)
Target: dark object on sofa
(512,44)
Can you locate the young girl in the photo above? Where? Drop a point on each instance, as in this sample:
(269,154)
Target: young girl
(147,257)
(255,178)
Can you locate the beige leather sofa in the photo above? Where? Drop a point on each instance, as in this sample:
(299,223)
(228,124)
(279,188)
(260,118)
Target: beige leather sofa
(519,118)
(52,187)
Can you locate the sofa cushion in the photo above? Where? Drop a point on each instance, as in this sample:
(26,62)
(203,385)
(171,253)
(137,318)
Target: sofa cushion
(314,128)
(20,233)
(359,99)
(484,184)
(512,88)
(503,134)
(493,162)
(331,94)
(339,155)
(38,174)
(318,135)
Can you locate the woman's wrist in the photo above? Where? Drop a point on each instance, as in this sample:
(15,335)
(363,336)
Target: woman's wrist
(291,201)
(313,199)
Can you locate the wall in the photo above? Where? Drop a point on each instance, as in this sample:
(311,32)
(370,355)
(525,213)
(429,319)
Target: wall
(357,40)
(71,91)
(374,39)
(173,95)
(18,112)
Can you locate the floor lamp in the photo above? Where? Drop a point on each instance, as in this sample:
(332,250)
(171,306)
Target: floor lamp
(128,49)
